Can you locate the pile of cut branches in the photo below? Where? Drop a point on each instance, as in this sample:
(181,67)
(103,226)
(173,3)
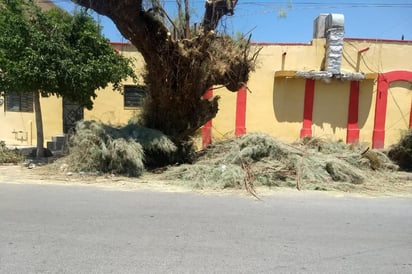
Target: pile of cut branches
(401,153)
(261,160)
(96,147)
(250,161)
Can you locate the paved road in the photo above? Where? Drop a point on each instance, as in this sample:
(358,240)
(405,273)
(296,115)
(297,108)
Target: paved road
(83,229)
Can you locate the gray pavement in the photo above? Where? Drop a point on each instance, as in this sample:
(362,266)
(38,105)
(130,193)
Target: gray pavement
(85,229)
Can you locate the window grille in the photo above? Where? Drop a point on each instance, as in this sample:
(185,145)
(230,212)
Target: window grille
(19,102)
(134,96)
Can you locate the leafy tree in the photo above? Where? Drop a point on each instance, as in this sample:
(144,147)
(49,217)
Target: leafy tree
(180,66)
(55,53)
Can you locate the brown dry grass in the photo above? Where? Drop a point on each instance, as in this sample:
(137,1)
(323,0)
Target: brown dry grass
(256,164)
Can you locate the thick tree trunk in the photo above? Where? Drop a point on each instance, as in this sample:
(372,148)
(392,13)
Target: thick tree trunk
(39,126)
(174,95)
(179,71)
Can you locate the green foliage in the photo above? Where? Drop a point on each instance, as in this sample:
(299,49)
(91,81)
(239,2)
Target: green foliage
(9,156)
(56,53)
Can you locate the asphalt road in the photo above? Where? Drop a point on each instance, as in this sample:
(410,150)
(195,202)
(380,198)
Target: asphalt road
(84,229)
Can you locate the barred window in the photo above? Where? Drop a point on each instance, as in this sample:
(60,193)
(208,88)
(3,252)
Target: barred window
(19,102)
(134,96)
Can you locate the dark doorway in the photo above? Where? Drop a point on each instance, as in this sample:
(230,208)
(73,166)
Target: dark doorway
(72,113)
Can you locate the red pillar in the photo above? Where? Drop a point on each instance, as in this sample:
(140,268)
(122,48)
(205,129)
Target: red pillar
(384,79)
(240,127)
(410,117)
(308,108)
(378,137)
(207,127)
(352,132)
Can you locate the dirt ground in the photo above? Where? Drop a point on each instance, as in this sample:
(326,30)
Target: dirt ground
(399,184)
(46,174)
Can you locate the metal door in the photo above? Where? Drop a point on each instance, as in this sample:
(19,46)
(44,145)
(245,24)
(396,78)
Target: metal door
(72,113)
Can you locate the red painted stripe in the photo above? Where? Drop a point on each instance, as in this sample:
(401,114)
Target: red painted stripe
(262,43)
(378,137)
(352,132)
(398,75)
(308,108)
(240,127)
(120,43)
(207,127)
(410,117)
(281,44)
(378,40)
(384,79)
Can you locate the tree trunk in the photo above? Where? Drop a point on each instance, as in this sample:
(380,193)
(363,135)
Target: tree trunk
(187,20)
(179,71)
(39,125)
(215,10)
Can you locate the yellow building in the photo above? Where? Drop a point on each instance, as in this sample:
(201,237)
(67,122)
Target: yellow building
(302,90)
(18,126)
(334,87)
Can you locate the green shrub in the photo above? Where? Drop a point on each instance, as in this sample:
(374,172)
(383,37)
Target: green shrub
(9,156)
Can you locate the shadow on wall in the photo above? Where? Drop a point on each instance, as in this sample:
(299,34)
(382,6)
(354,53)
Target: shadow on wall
(366,90)
(330,106)
(401,84)
(398,110)
(288,99)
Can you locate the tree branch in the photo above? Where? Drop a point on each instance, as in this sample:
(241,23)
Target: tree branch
(215,10)
(139,26)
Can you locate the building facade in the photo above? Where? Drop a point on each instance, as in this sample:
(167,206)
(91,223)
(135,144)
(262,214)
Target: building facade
(349,89)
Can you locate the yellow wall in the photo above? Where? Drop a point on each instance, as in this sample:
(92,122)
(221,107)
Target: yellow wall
(398,109)
(287,104)
(382,56)
(367,99)
(52,112)
(223,126)
(25,123)
(274,105)
(330,110)
(21,122)
(108,106)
